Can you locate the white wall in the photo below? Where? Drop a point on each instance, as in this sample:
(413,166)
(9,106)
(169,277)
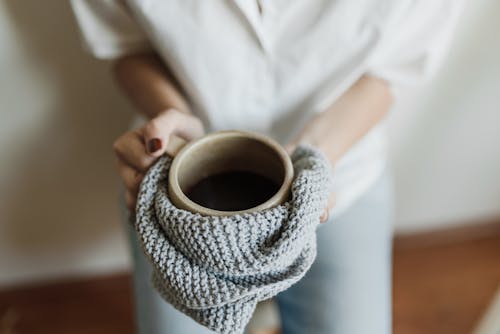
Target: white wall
(446,135)
(59,113)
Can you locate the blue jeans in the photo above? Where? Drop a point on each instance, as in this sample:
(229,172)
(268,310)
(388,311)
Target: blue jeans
(346,291)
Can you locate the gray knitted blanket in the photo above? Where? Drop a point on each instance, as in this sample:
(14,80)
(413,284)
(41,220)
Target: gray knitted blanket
(216,269)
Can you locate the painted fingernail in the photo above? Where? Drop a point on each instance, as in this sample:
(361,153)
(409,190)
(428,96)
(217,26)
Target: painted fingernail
(154,145)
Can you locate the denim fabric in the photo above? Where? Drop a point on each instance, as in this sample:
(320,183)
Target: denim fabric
(348,288)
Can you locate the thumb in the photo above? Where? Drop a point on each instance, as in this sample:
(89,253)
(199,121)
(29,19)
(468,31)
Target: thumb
(156,133)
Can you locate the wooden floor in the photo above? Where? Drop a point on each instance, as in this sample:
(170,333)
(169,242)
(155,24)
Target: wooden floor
(442,289)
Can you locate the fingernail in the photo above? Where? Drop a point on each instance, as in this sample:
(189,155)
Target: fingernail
(324,217)
(154,145)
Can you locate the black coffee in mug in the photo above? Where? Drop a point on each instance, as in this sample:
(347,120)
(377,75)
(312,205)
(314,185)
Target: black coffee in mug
(233,191)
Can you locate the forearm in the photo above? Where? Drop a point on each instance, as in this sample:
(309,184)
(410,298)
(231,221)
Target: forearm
(146,82)
(349,118)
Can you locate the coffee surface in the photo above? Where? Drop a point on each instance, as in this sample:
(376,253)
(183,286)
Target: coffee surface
(233,191)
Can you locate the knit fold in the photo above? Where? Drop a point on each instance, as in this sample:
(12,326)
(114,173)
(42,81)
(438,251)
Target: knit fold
(216,269)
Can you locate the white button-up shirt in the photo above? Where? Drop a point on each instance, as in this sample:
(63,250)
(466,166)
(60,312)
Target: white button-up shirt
(269,65)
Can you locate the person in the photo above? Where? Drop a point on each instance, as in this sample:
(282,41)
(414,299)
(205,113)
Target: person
(307,71)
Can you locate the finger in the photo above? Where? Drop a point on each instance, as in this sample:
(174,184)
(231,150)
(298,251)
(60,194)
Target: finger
(157,131)
(155,135)
(130,149)
(324,216)
(189,127)
(131,178)
(130,201)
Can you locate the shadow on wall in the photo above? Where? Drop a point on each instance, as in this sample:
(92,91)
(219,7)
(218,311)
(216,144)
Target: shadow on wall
(63,194)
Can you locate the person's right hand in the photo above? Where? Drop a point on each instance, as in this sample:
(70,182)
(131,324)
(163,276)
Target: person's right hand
(138,149)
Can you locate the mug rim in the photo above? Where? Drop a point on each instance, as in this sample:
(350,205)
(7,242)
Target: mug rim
(176,191)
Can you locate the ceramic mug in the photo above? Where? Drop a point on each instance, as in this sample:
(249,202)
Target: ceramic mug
(226,151)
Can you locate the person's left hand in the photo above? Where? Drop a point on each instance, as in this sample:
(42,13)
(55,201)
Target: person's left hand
(331,200)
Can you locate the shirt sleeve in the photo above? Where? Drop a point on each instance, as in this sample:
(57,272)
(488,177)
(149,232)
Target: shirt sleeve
(108,29)
(415,41)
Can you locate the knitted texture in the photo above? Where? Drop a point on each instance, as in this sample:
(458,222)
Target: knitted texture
(216,268)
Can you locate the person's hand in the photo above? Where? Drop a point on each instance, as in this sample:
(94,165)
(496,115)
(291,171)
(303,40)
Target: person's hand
(290,147)
(331,203)
(138,149)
